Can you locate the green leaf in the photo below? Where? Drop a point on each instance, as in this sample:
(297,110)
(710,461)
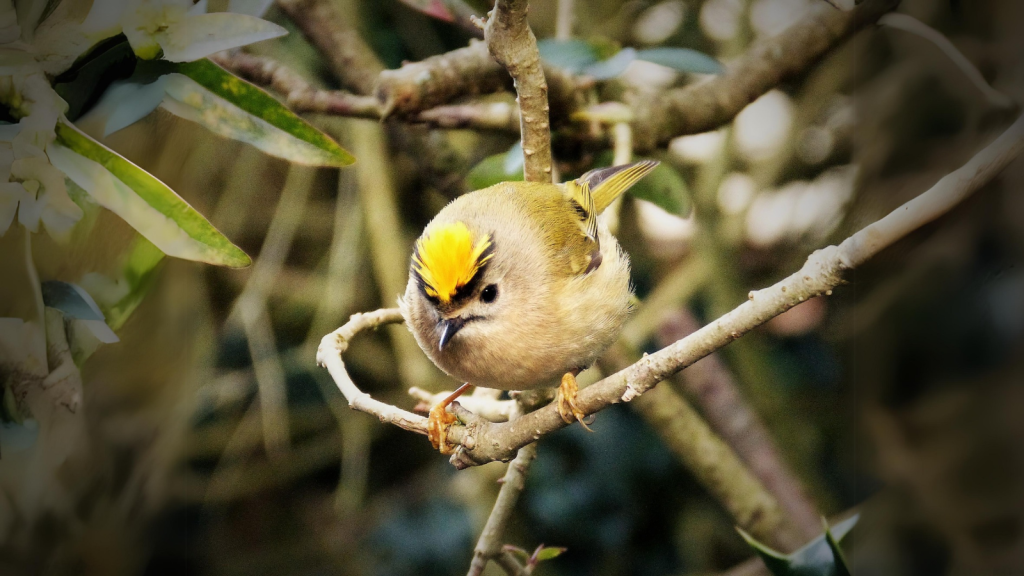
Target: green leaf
(138,273)
(611,67)
(681,59)
(144,202)
(71,300)
(776,562)
(227,105)
(820,557)
(548,553)
(524,556)
(495,169)
(665,188)
(573,55)
(83,84)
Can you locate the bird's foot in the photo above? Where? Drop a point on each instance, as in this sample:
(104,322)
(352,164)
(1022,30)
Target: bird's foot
(439,420)
(566,401)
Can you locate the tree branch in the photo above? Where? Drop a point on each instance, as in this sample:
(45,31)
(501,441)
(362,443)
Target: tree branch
(482,442)
(712,388)
(489,544)
(351,60)
(705,106)
(512,43)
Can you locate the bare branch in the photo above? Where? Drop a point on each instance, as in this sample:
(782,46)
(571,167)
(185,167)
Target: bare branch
(489,544)
(512,43)
(483,442)
(705,106)
(349,57)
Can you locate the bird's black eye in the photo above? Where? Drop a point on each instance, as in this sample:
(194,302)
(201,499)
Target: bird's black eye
(489,293)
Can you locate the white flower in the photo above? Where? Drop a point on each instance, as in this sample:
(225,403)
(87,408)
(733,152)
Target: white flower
(184,33)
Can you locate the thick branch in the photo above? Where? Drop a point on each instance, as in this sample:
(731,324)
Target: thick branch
(712,388)
(512,43)
(489,544)
(351,60)
(705,106)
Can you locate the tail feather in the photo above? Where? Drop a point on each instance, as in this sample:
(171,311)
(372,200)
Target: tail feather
(607,184)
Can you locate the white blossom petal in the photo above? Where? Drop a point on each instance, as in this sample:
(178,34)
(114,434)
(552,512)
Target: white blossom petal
(199,36)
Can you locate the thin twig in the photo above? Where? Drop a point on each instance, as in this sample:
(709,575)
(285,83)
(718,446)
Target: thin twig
(483,442)
(512,43)
(489,544)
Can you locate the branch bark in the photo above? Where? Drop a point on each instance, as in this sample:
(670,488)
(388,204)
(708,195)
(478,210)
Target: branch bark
(351,60)
(483,442)
(705,106)
(490,542)
(512,43)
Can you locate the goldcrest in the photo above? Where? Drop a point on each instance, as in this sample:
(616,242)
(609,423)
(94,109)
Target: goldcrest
(520,286)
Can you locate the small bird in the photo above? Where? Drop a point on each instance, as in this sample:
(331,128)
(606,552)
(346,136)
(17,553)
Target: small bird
(519,286)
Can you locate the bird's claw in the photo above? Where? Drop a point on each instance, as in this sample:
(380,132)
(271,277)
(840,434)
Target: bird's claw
(438,422)
(566,401)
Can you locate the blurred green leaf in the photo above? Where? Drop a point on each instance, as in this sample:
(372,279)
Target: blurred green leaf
(144,202)
(681,59)
(495,169)
(138,273)
(611,67)
(665,188)
(71,300)
(227,105)
(548,553)
(815,559)
(574,55)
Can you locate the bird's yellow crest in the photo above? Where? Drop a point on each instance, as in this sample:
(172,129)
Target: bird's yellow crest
(446,259)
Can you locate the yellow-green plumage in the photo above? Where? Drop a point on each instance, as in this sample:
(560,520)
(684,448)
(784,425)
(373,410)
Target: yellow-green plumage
(560,278)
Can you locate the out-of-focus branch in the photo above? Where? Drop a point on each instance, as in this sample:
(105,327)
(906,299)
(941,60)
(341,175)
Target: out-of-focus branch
(302,97)
(490,542)
(351,60)
(418,86)
(705,106)
(712,387)
(482,442)
(512,43)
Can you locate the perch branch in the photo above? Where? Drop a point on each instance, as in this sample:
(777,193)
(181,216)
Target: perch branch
(512,43)
(483,442)
(705,106)
(489,544)
(351,60)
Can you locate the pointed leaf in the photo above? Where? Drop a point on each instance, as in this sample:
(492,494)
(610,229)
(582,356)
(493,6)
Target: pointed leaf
(71,300)
(776,562)
(144,202)
(611,67)
(200,35)
(122,105)
(681,59)
(549,553)
(523,554)
(227,105)
(491,171)
(841,568)
(665,188)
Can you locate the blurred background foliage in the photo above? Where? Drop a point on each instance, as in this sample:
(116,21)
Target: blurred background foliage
(216,446)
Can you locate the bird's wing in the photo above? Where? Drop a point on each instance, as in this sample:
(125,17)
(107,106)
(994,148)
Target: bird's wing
(604,185)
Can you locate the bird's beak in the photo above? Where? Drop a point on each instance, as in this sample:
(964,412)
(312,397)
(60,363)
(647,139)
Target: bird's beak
(448,329)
